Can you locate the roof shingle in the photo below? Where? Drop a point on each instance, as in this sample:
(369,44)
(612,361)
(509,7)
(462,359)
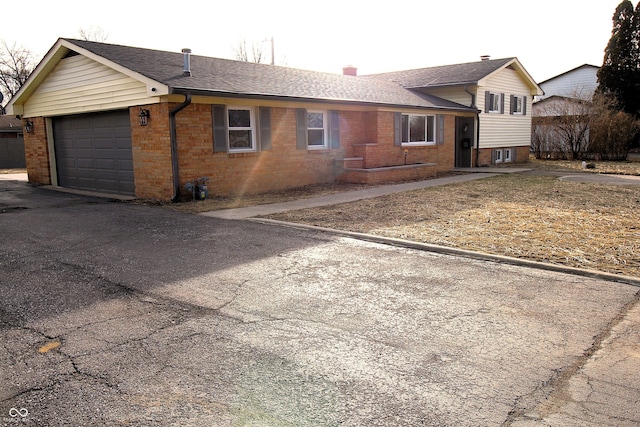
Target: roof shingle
(223,76)
(445,75)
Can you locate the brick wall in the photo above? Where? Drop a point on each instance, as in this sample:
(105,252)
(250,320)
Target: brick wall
(151,150)
(284,166)
(486,156)
(37,153)
(384,153)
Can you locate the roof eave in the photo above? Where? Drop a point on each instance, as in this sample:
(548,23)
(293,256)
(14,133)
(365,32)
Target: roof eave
(283,98)
(59,50)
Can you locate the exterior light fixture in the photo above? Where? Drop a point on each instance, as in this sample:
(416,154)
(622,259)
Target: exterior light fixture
(28,126)
(144,116)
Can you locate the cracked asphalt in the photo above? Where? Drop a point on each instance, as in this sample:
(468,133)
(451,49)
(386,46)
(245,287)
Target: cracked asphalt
(122,314)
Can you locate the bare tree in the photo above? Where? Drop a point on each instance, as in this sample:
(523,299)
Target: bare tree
(561,126)
(16,63)
(612,131)
(93,34)
(242,53)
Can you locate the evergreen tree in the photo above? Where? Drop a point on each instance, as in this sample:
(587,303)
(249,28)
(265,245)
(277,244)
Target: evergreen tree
(619,75)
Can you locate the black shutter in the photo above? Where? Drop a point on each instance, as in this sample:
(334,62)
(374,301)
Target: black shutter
(265,128)
(440,129)
(301,128)
(397,129)
(220,129)
(512,104)
(334,129)
(502,103)
(524,105)
(487,101)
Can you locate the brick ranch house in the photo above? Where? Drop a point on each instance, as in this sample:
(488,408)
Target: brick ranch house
(132,121)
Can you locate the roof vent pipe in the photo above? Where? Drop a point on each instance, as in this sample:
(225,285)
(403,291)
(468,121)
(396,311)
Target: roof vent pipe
(187,61)
(485,57)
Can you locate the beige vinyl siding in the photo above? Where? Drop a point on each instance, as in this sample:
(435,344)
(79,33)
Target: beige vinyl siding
(505,130)
(79,84)
(453,94)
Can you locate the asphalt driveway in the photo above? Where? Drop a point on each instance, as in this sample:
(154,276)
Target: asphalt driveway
(115,313)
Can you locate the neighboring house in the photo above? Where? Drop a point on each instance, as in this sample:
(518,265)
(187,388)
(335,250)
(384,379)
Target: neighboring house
(578,83)
(143,122)
(560,116)
(11,143)
(501,89)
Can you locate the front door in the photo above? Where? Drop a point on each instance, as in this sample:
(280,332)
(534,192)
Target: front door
(464,141)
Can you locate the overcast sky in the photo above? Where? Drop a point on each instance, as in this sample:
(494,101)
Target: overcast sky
(548,36)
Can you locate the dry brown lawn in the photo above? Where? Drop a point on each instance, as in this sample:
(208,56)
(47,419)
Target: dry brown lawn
(534,217)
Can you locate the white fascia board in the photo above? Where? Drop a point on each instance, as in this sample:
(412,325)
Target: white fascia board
(154,88)
(59,50)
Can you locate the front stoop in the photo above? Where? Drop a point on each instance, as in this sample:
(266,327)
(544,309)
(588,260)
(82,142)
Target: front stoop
(388,174)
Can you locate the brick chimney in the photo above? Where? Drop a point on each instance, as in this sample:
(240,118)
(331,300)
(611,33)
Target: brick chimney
(350,70)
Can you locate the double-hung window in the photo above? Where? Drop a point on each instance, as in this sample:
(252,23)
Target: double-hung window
(317,132)
(494,102)
(317,129)
(518,104)
(418,129)
(241,129)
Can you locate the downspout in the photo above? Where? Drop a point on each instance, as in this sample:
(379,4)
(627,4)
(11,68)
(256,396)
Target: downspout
(477,138)
(174,145)
(473,105)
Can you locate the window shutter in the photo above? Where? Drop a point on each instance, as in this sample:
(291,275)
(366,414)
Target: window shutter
(502,103)
(397,129)
(301,129)
(513,154)
(524,105)
(265,128)
(512,104)
(220,129)
(440,129)
(334,129)
(487,101)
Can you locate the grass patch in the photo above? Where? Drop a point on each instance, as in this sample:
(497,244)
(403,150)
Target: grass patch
(540,218)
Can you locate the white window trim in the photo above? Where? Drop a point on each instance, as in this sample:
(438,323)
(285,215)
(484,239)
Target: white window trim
(498,156)
(251,128)
(496,96)
(515,101)
(325,128)
(422,143)
(506,156)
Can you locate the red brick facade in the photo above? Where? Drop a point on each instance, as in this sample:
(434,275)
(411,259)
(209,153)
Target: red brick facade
(367,153)
(36,151)
(151,152)
(520,155)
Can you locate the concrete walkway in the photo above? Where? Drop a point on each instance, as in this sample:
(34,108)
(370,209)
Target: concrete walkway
(351,196)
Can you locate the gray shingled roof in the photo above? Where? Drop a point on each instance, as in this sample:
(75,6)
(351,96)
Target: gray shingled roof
(446,75)
(223,76)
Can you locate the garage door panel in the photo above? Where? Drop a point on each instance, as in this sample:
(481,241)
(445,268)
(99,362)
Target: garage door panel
(93,152)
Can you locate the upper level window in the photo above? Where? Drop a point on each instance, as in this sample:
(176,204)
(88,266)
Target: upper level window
(494,102)
(241,129)
(418,129)
(317,134)
(518,104)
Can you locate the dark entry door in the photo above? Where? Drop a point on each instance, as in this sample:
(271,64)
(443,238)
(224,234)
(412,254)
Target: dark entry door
(93,152)
(464,141)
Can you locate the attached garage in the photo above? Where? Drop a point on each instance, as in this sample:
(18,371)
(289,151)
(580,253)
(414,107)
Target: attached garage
(93,152)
